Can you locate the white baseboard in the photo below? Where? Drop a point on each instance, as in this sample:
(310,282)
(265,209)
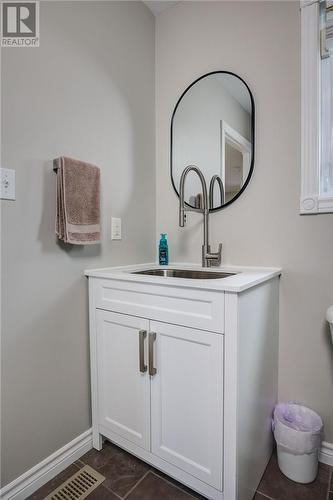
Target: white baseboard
(326,453)
(30,481)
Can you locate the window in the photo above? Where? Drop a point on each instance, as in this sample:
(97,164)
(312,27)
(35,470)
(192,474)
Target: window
(317,106)
(326,53)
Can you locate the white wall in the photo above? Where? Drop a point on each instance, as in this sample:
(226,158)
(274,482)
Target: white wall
(261,42)
(86,92)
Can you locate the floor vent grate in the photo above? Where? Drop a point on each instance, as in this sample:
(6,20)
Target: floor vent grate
(79,486)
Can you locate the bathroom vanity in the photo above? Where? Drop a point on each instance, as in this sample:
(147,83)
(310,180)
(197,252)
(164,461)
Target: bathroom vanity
(184,371)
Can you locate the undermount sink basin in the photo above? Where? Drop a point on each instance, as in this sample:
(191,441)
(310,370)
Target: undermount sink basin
(185,273)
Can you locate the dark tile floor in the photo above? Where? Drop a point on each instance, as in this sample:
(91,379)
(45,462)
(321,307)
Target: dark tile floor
(129,478)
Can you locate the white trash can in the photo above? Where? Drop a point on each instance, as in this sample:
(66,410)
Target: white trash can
(297,432)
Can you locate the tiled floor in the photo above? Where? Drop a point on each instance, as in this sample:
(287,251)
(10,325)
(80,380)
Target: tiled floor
(129,478)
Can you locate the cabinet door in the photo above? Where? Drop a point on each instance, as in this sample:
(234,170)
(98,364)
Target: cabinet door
(123,390)
(187,400)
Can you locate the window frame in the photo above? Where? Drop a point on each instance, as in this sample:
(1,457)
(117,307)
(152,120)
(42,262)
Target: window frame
(311,201)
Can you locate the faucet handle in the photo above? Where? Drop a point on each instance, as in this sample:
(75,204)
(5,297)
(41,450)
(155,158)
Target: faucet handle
(215,258)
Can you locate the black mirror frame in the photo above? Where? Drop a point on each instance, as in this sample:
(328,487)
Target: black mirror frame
(252,137)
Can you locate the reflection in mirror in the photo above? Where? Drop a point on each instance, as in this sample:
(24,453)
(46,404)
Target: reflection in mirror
(213,128)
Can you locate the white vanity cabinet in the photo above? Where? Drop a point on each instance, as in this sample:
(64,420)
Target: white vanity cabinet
(184,375)
(162,412)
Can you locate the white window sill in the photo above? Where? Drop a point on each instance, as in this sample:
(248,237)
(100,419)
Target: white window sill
(316,205)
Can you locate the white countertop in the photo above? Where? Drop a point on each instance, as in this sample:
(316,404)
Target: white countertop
(245,278)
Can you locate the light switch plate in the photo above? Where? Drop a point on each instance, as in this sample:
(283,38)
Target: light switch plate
(115,228)
(7,183)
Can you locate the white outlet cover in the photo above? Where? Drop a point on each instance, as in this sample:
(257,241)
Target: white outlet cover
(7,184)
(115,228)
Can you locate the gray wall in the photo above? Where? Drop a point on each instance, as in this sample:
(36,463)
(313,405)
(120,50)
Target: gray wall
(87,92)
(263,227)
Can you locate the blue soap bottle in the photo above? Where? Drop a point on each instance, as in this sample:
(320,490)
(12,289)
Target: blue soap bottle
(163,251)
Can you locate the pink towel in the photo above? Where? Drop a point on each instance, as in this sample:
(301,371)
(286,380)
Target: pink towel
(78,202)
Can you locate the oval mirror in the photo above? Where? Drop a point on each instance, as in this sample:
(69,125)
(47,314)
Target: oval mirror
(212,127)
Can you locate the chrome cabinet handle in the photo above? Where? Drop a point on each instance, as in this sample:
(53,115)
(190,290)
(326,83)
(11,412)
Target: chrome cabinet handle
(142,336)
(152,338)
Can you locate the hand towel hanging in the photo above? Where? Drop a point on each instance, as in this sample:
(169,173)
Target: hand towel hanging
(78,201)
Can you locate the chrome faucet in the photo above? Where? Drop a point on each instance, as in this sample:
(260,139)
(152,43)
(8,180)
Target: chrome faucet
(215,178)
(208,258)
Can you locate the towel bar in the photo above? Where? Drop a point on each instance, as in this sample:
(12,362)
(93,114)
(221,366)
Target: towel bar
(55,166)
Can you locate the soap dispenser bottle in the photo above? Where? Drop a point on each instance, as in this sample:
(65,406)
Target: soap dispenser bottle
(163,251)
